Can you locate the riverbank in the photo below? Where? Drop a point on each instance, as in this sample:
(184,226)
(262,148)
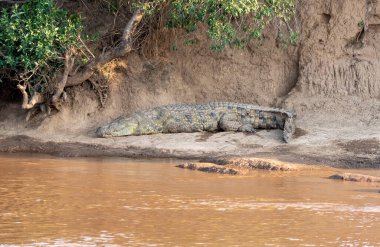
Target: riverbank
(318,142)
(163,146)
(340,133)
(331,82)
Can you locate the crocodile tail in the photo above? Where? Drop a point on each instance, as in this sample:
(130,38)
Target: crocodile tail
(289,129)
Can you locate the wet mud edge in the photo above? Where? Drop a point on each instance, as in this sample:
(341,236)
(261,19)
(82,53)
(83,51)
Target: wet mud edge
(26,144)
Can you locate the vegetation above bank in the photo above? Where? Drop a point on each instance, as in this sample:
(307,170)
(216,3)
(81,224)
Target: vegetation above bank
(44,48)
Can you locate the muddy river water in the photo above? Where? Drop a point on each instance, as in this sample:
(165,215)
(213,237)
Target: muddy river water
(117,202)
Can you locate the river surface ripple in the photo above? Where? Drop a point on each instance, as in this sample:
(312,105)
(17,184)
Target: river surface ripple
(119,202)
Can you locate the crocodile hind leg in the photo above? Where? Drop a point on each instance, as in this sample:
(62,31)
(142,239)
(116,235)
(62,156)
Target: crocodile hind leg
(233,122)
(247,128)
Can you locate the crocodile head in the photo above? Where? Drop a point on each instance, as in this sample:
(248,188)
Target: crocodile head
(119,127)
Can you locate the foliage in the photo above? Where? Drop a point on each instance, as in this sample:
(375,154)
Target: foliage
(34,36)
(33,39)
(230,22)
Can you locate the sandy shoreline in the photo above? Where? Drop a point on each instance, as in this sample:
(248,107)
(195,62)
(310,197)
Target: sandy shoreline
(199,146)
(344,135)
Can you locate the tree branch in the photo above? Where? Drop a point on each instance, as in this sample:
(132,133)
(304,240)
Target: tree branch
(125,45)
(37,98)
(82,75)
(69,64)
(121,50)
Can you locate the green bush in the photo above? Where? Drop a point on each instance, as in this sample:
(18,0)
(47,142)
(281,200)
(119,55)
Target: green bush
(35,35)
(33,39)
(230,22)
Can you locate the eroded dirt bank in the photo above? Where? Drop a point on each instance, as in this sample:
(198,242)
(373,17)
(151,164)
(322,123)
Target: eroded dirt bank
(331,79)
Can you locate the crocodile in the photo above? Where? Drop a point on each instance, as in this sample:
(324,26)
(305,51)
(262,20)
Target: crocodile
(211,117)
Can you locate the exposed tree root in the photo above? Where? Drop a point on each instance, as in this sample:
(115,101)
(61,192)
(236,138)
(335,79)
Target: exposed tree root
(36,99)
(100,85)
(69,64)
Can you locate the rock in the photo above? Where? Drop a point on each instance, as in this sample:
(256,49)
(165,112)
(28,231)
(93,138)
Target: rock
(209,168)
(241,166)
(257,164)
(355,178)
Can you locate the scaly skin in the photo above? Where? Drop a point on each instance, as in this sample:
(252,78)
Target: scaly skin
(214,116)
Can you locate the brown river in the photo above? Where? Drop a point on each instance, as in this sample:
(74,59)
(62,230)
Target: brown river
(119,202)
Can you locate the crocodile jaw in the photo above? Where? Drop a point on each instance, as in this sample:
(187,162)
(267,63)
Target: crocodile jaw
(103,132)
(117,128)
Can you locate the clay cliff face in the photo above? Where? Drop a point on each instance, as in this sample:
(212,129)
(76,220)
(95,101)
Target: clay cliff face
(338,55)
(340,48)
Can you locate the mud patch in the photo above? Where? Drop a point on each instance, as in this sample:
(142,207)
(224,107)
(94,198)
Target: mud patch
(299,133)
(251,134)
(257,133)
(366,146)
(204,136)
(26,144)
(250,146)
(358,163)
